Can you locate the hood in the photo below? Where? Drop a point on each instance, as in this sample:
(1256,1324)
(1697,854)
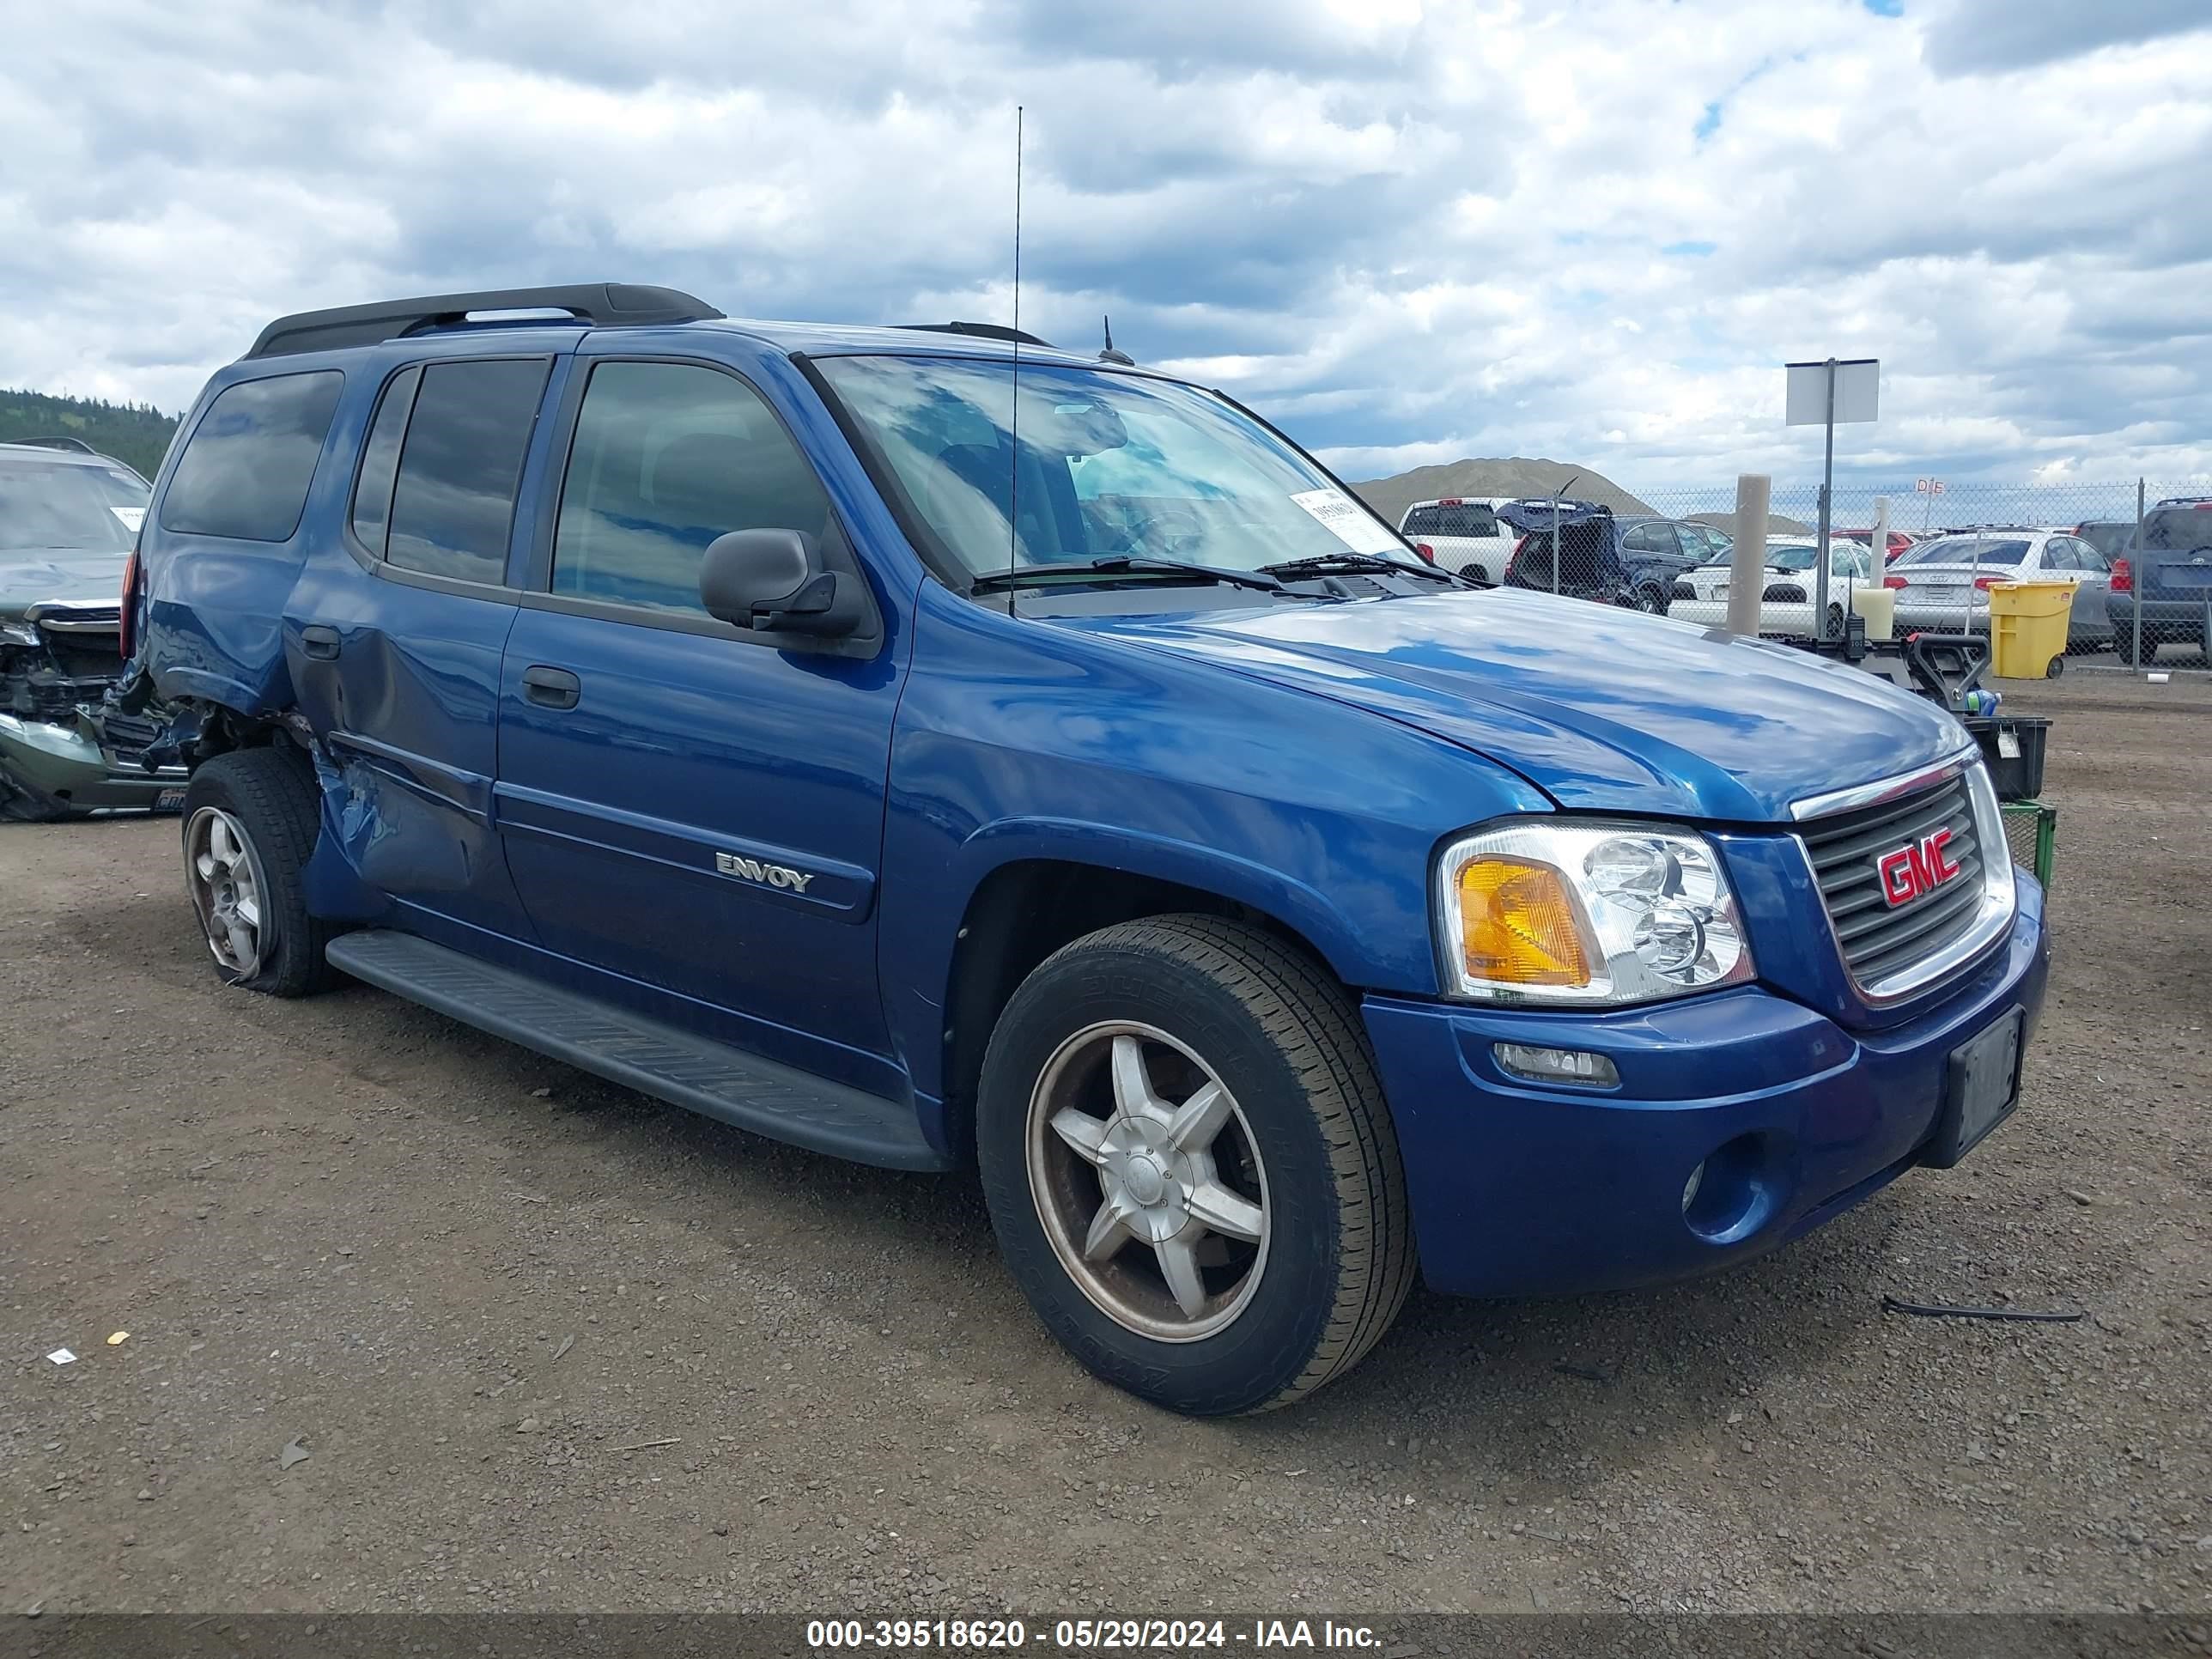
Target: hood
(1604,709)
(76,578)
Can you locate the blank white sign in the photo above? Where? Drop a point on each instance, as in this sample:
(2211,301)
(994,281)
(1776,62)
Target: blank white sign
(1858,388)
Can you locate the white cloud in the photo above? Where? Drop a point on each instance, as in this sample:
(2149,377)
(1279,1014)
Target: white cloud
(1410,231)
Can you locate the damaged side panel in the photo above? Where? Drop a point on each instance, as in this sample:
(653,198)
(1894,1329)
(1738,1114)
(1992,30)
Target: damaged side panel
(406,708)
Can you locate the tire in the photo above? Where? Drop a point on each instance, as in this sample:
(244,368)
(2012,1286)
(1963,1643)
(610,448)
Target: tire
(250,823)
(1305,1143)
(1651,601)
(2055,666)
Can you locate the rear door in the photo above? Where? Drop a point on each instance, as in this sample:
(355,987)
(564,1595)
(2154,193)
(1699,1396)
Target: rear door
(397,649)
(685,804)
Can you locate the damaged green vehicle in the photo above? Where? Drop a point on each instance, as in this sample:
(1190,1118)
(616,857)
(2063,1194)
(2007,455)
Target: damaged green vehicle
(68,521)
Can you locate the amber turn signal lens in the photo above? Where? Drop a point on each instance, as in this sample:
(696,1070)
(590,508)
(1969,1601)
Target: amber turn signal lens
(1517,925)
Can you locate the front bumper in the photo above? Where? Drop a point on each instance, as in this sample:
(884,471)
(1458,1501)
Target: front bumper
(68,767)
(1521,1188)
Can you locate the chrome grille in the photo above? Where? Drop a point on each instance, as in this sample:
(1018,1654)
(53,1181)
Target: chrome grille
(1879,940)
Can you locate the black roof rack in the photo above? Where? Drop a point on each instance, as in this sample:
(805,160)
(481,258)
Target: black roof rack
(598,304)
(982,331)
(77,444)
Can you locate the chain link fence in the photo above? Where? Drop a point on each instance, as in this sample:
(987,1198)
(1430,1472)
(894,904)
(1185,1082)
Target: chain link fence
(2137,553)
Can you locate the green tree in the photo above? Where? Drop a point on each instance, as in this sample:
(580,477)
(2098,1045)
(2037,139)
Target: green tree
(135,433)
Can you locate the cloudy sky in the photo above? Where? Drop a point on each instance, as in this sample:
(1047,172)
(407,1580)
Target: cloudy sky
(1408,232)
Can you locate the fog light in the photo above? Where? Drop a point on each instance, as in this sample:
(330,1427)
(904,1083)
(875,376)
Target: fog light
(1690,1188)
(1570,1066)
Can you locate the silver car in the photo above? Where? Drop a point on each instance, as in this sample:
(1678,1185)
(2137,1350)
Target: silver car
(1942,586)
(68,518)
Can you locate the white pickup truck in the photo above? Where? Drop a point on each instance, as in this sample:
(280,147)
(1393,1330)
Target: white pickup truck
(1461,532)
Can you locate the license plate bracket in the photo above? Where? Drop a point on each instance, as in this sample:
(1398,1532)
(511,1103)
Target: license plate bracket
(1981,1088)
(169,801)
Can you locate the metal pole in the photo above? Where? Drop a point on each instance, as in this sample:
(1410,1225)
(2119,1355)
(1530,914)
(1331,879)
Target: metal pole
(2134,546)
(1748,561)
(1827,490)
(1558,553)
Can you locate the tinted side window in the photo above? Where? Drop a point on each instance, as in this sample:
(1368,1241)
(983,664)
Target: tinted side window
(245,472)
(379,461)
(2087,556)
(668,457)
(454,502)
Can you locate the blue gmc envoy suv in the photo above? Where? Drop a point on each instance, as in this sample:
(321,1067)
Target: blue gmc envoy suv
(927,746)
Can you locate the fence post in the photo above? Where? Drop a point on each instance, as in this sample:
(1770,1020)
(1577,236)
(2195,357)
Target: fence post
(1747,563)
(2134,546)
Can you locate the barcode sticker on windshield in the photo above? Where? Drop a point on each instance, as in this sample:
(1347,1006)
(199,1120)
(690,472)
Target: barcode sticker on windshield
(133,517)
(1349,522)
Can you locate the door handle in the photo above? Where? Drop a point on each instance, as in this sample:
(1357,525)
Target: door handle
(551,688)
(318,641)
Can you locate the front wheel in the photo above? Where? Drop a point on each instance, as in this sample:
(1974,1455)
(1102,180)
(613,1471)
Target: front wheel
(1651,602)
(1189,1166)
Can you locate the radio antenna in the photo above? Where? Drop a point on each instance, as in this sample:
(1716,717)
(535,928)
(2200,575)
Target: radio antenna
(1014,453)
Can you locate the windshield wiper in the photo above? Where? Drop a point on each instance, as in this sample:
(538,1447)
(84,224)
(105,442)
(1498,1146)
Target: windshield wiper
(1121,564)
(1352,564)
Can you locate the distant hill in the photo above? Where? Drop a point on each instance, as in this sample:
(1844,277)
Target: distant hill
(137,434)
(1518,476)
(1776,524)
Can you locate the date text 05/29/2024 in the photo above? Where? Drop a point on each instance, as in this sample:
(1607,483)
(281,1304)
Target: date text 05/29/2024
(1084,1635)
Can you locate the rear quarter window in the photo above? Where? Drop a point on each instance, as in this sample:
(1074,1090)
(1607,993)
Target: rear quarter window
(245,471)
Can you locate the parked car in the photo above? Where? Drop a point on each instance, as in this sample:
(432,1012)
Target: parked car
(1786,600)
(2168,574)
(68,517)
(1631,561)
(1266,914)
(1896,541)
(1462,533)
(2110,536)
(1944,585)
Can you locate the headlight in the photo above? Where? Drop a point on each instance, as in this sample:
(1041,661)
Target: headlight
(1587,913)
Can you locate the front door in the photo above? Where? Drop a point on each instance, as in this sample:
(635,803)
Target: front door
(683,804)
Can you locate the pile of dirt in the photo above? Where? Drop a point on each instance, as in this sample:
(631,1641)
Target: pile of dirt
(1518,476)
(1776,524)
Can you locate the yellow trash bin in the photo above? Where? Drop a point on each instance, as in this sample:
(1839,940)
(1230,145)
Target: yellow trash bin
(2027,629)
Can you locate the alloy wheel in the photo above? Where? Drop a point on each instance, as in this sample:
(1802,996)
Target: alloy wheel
(225,879)
(1148,1182)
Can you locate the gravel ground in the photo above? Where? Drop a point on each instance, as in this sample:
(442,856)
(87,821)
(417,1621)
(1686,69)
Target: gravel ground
(548,1345)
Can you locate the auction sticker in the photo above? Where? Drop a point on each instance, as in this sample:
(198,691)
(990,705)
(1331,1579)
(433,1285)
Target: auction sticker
(133,517)
(1349,522)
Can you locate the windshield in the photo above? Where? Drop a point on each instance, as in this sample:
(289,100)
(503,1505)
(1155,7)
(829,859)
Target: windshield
(1964,549)
(1097,465)
(60,504)
(1453,519)
(2178,530)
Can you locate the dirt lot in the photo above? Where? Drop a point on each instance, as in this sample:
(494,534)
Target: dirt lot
(469,1282)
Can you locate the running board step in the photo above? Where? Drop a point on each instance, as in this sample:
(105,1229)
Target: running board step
(641,1053)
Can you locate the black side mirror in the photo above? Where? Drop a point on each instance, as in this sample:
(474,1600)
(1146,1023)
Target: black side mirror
(775,580)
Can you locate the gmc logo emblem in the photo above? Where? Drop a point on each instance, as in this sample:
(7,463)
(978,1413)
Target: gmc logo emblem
(1917,869)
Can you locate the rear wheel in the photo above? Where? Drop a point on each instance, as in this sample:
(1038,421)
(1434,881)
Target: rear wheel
(1651,601)
(1189,1166)
(250,826)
